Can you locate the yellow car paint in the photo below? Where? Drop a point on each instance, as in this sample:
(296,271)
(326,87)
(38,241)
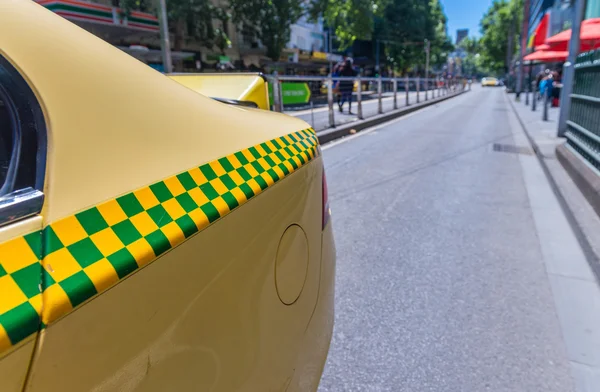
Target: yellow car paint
(14,365)
(15,358)
(489,82)
(241,87)
(127,125)
(204,316)
(206,311)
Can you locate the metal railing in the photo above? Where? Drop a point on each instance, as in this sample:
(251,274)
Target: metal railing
(583,125)
(371,96)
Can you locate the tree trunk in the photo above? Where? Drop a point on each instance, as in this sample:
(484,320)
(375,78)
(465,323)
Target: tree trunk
(510,49)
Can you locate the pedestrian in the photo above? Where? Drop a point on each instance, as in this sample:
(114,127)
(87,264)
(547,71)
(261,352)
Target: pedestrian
(538,84)
(346,86)
(336,83)
(546,86)
(556,87)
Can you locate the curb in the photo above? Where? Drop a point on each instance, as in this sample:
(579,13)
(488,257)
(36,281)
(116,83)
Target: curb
(586,180)
(588,251)
(331,134)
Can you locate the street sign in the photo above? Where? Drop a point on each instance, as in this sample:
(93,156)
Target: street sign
(292,93)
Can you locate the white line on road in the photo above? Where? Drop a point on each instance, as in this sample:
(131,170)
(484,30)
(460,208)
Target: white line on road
(369,130)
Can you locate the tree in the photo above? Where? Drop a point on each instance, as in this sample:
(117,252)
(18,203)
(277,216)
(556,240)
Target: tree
(189,18)
(350,19)
(407,24)
(441,43)
(269,21)
(470,45)
(500,28)
(472,64)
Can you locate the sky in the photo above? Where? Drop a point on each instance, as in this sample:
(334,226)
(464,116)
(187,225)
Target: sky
(465,14)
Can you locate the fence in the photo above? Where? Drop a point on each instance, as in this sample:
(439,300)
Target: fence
(315,99)
(583,126)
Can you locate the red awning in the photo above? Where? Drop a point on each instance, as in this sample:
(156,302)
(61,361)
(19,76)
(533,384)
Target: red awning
(541,31)
(544,47)
(547,56)
(590,35)
(584,47)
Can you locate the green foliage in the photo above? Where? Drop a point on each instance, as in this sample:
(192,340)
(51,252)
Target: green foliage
(470,45)
(350,19)
(502,18)
(407,25)
(269,21)
(472,63)
(136,5)
(189,18)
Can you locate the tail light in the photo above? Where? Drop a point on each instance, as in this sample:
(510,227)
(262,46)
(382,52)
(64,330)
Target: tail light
(326,210)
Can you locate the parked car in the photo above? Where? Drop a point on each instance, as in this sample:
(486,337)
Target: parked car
(151,238)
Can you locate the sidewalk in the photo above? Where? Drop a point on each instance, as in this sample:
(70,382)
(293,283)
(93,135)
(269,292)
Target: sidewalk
(574,286)
(582,217)
(542,132)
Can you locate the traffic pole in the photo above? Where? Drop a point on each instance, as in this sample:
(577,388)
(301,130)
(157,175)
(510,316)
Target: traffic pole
(406,88)
(277,101)
(379,92)
(164,37)
(377,59)
(359,111)
(534,99)
(330,101)
(395,88)
(427,50)
(330,52)
(545,111)
(523,37)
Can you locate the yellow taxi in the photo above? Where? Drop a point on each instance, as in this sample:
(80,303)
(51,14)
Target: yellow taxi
(151,238)
(489,82)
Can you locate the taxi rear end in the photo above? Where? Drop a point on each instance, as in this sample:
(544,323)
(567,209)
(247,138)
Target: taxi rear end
(176,243)
(489,82)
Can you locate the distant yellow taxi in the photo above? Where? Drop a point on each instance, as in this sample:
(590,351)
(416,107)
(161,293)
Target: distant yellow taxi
(151,238)
(489,82)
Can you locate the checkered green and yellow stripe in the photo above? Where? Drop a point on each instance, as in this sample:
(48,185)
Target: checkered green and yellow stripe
(20,291)
(86,253)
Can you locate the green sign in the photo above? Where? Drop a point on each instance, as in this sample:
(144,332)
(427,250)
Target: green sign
(292,93)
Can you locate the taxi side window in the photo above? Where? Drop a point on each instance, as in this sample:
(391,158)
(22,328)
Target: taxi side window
(6,139)
(22,147)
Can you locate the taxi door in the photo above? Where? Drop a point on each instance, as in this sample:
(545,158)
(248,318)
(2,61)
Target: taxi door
(22,160)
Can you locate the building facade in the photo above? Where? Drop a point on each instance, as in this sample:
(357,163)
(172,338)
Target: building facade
(308,36)
(592,9)
(537,10)
(138,33)
(461,34)
(307,51)
(557,15)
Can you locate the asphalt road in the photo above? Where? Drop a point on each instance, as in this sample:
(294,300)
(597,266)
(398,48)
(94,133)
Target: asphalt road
(440,280)
(319,119)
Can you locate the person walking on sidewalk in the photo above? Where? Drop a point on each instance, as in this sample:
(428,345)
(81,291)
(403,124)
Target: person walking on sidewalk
(346,86)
